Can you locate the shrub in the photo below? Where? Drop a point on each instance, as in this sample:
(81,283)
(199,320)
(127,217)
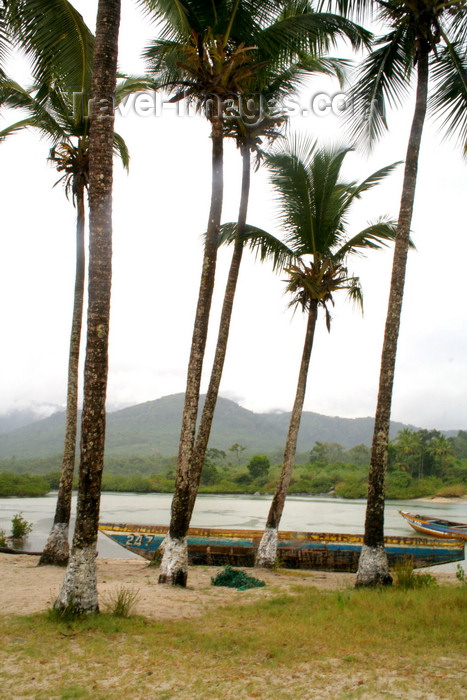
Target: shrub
(258,466)
(121,602)
(460,575)
(352,488)
(452,491)
(405,577)
(20,527)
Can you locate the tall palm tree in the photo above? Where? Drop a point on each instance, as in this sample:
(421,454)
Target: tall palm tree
(426,37)
(314,207)
(249,130)
(59,45)
(210,52)
(62,117)
(79,588)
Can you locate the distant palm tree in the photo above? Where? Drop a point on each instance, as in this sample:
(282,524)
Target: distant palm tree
(442,452)
(425,36)
(79,588)
(409,444)
(314,206)
(209,53)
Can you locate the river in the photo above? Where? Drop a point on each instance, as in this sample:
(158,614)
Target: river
(300,513)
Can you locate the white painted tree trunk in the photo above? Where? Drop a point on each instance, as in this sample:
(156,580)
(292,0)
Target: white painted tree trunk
(174,564)
(79,587)
(267,550)
(373,567)
(57,549)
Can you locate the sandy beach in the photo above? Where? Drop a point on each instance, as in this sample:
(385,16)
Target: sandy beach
(27,588)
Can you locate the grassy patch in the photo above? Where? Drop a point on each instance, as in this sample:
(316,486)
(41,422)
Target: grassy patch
(351,644)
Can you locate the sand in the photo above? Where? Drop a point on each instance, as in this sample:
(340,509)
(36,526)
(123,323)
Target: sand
(26,588)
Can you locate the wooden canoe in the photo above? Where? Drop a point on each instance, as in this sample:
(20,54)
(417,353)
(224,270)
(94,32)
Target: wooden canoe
(296,550)
(436,527)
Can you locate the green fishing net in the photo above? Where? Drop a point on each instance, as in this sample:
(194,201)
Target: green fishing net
(235,578)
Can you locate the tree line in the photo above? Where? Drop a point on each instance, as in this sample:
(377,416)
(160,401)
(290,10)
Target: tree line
(420,463)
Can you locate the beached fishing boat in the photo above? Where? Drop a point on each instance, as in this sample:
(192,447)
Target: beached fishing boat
(296,550)
(436,527)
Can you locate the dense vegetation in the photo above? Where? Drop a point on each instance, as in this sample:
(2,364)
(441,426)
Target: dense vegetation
(421,463)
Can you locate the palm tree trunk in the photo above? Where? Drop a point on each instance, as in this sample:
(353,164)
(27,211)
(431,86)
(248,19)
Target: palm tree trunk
(373,566)
(174,564)
(56,551)
(267,550)
(79,588)
(204,429)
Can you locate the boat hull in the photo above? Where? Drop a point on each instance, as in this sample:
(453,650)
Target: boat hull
(434,527)
(296,550)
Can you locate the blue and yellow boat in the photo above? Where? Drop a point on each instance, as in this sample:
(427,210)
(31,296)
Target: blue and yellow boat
(296,550)
(436,527)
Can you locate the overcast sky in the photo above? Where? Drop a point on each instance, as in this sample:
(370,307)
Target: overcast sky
(160,212)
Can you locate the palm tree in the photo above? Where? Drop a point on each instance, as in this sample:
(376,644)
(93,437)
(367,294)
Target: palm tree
(249,130)
(209,53)
(60,46)
(63,118)
(409,444)
(441,450)
(314,207)
(425,36)
(50,111)
(79,588)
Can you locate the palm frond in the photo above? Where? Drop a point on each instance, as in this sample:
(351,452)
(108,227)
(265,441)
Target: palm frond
(354,292)
(14,128)
(449,99)
(382,81)
(290,180)
(173,12)
(314,202)
(132,84)
(360,10)
(355,191)
(44,120)
(4,41)
(121,150)
(374,237)
(56,40)
(265,245)
(311,32)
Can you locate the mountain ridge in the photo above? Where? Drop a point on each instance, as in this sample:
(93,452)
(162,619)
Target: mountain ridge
(153,427)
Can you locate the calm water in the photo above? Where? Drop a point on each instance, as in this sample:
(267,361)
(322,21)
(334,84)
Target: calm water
(300,513)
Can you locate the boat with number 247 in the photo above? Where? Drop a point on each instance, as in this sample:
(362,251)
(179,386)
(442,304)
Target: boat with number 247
(296,550)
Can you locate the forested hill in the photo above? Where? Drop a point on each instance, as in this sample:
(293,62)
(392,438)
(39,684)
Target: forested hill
(154,428)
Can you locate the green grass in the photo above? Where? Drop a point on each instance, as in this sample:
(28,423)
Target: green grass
(351,644)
